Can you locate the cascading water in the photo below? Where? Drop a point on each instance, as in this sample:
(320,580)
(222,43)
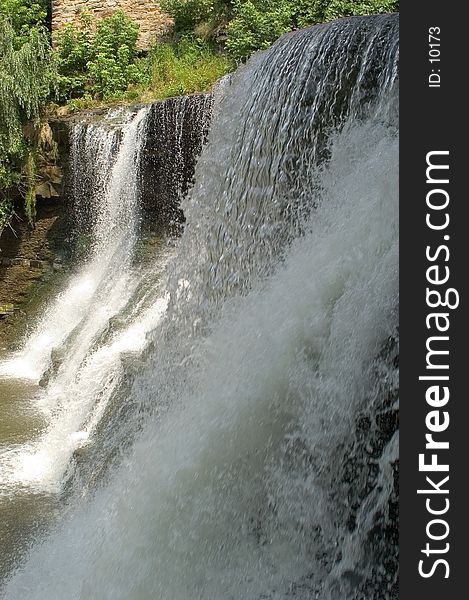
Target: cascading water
(179,127)
(93,151)
(80,316)
(265,468)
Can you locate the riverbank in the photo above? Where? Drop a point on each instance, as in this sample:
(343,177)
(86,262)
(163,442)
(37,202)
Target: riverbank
(31,263)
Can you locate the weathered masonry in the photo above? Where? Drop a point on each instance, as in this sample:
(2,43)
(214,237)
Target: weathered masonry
(147,13)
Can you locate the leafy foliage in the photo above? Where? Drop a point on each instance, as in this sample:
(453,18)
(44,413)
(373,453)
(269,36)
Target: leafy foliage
(347,8)
(26,78)
(190,16)
(98,61)
(186,67)
(98,58)
(113,66)
(257,23)
(310,12)
(251,25)
(23,15)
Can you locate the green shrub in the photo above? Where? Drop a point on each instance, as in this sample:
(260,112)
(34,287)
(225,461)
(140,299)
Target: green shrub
(73,54)
(309,12)
(347,8)
(26,80)
(256,24)
(112,66)
(99,57)
(23,15)
(186,67)
(190,15)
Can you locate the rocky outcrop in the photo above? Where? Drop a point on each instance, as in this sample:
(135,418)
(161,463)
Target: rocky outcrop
(30,257)
(177,130)
(31,260)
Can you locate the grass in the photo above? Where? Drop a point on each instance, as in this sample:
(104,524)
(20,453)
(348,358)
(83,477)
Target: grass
(183,68)
(168,70)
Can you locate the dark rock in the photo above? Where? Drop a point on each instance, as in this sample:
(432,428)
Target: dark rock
(177,130)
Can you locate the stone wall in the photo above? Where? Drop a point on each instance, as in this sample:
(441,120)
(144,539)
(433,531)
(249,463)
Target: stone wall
(147,13)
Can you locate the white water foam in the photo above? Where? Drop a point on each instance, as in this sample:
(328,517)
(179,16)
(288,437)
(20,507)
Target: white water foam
(101,289)
(105,275)
(205,507)
(283,295)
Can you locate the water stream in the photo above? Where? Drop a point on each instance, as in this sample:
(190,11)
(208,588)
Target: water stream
(257,457)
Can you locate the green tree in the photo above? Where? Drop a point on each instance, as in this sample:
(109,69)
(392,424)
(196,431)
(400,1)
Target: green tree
(26,79)
(256,24)
(24,14)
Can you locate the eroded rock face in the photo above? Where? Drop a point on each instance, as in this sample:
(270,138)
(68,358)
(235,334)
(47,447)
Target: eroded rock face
(147,13)
(177,131)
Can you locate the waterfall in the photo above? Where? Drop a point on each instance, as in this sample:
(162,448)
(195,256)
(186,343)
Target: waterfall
(179,127)
(263,462)
(113,200)
(71,347)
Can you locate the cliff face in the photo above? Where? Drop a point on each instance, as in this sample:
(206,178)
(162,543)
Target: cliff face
(176,132)
(31,258)
(147,13)
(32,262)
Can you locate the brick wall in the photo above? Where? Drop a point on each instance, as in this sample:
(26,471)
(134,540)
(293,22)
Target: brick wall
(152,21)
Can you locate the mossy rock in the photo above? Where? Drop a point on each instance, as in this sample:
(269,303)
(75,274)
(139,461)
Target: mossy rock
(6,309)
